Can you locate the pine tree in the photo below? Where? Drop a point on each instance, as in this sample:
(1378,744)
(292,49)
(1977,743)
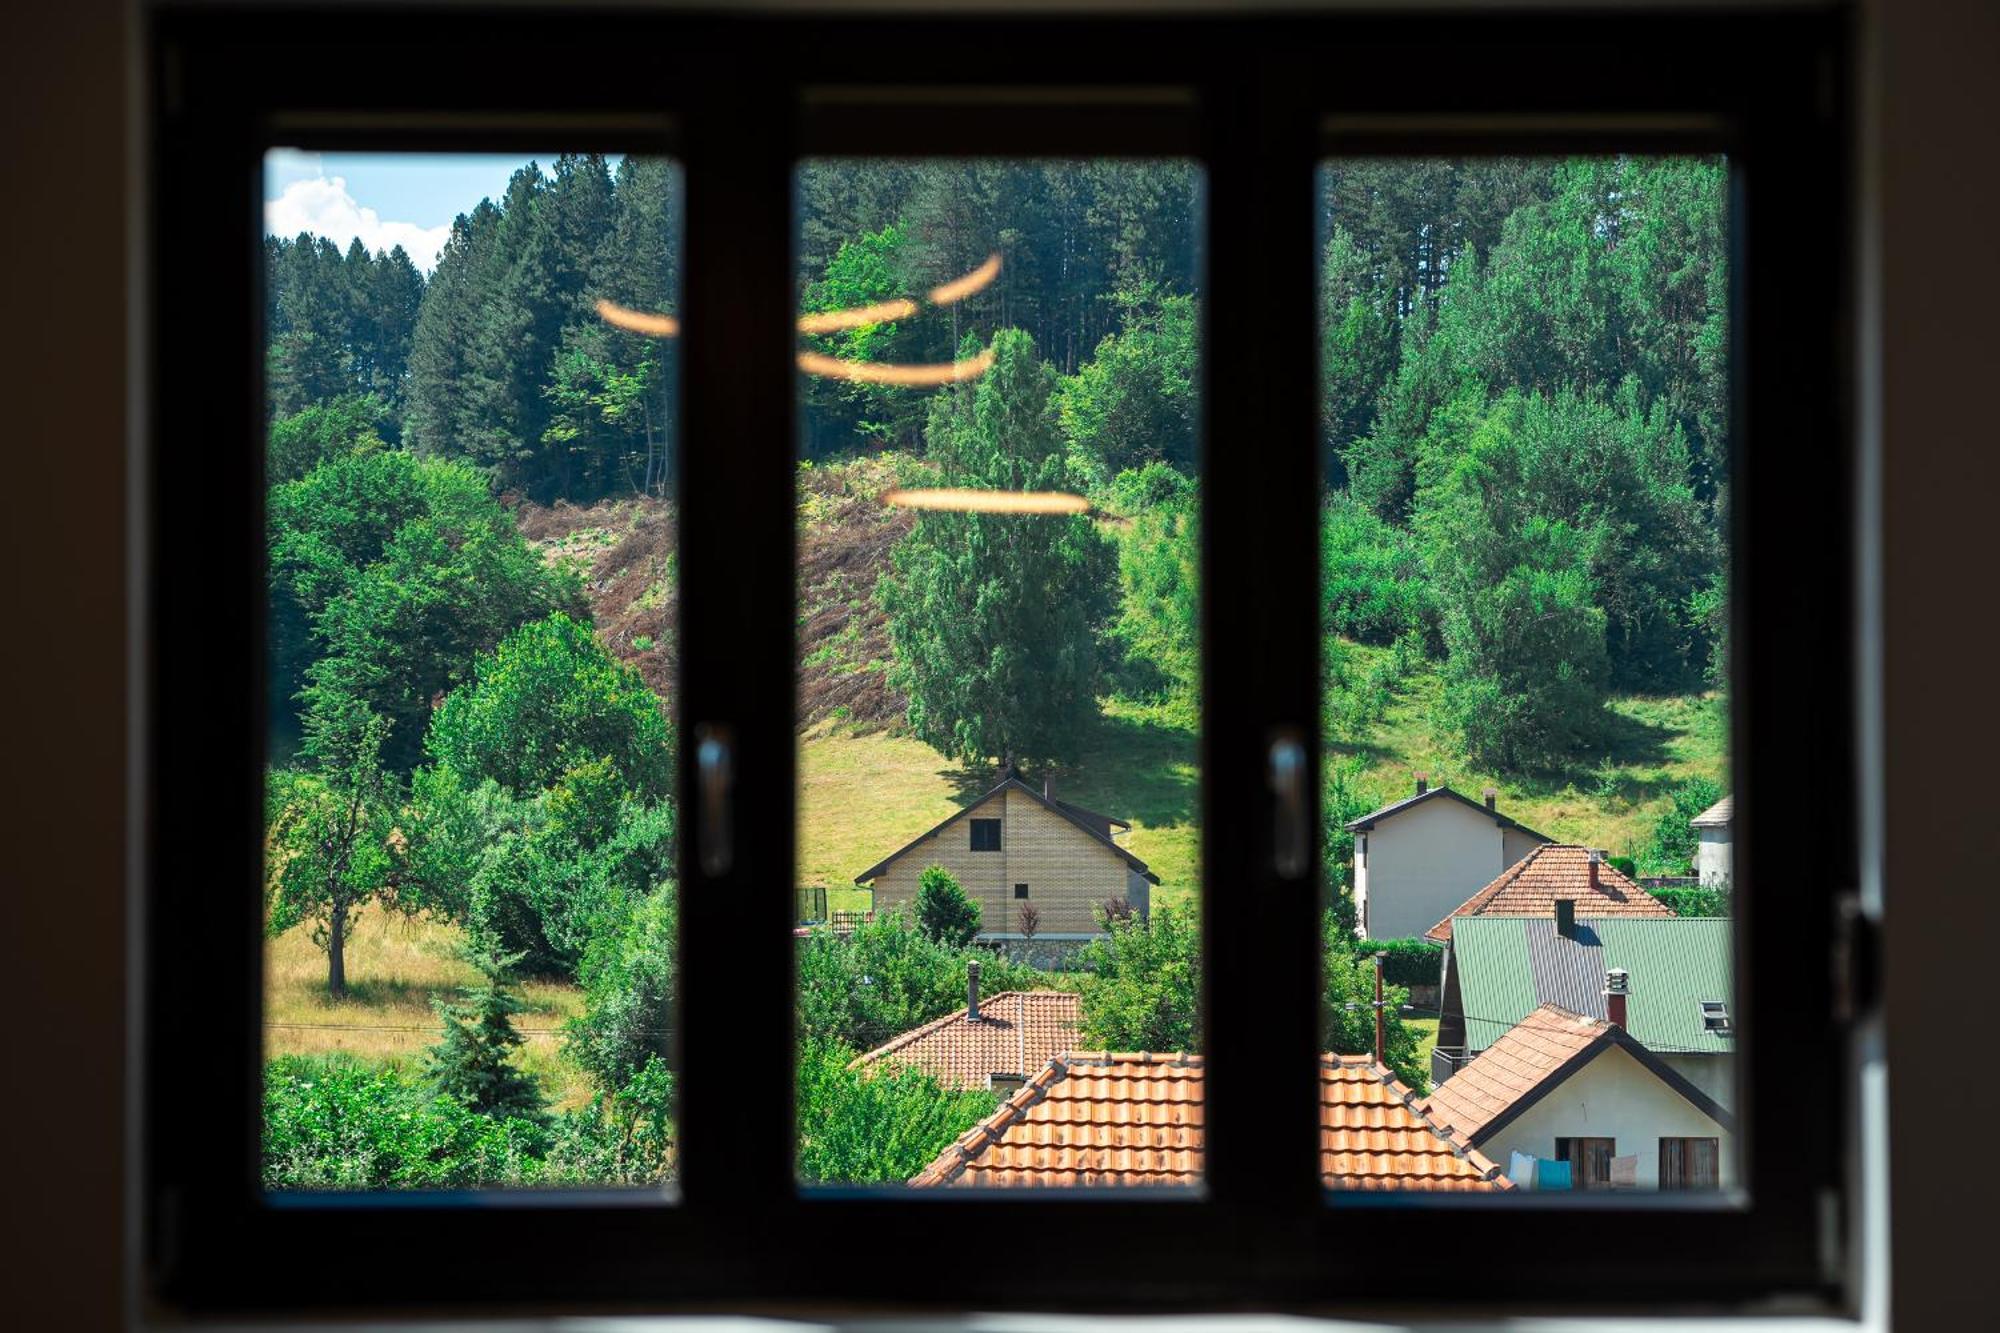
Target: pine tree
(943,911)
(474,1060)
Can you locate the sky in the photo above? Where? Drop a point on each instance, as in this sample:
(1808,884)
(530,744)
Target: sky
(387,199)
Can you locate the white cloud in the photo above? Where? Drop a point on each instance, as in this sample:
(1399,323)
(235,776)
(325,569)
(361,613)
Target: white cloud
(322,206)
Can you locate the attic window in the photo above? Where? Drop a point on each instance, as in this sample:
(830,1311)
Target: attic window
(985,835)
(1715,1017)
(1020,890)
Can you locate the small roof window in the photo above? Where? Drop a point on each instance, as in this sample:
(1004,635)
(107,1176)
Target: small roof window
(1715,1017)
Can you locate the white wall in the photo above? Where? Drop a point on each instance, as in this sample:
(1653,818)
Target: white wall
(1711,856)
(1713,1074)
(1613,1097)
(1424,862)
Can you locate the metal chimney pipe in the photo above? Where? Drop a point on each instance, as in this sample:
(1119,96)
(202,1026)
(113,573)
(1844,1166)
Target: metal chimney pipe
(1617,987)
(972,992)
(1492,794)
(1423,783)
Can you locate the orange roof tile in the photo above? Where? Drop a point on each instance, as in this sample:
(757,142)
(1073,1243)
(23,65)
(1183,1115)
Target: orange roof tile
(1017,1033)
(1136,1119)
(1504,1072)
(1532,884)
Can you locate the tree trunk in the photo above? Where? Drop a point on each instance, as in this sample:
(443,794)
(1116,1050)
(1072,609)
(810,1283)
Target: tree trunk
(336,952)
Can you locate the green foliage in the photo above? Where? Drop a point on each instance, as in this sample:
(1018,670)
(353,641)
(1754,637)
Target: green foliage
(1371,574)
(338,325)
(1411,962)
(473,1062)
(1347,1013)
(547,699)
(1137,401)
(874,1126)
(1674,837)
(943,911)
(1141,989)
(1695,900)
(328,831)
(389,575)
(1159,569)
(631,1003)
(867,270)
(1343,799)
(999,620)
(322,432)
(887,977)
(1357,347)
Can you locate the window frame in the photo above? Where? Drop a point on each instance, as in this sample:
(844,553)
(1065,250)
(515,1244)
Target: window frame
(984,825)
(1259,101)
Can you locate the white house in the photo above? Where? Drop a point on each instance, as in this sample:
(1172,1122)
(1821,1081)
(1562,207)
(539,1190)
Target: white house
(1711,853)
(1418,858)
(1562,1087)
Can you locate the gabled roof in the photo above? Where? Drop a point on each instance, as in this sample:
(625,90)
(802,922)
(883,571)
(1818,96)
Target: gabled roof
(1532,884)
(1507,967)
(1535,1057)
(1017,1033)
(1717,815)
(1394,808)
(1087,821)
(1136,1119)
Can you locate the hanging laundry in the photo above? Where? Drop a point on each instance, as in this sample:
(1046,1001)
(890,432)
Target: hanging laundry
(1551,1175)
(1521,1170)
(1625,1172)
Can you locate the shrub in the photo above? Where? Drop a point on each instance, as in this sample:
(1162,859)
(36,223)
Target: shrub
(1347,1013)
(1372,582)
(1411,962)
(628,977)
(875,1126)
(888,977)
(1142,987)
(943,911)
(1674,839)
(1694,900)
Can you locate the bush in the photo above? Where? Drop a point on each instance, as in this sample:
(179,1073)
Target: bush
(1347,1013)
(1142,985)
(1674,839)
(875,1126)
(943,911)
(629,997)
(1411,962)
(888,977)
(1372,582)
(1695,900)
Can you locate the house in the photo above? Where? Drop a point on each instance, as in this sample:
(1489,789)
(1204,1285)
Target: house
(1016,847)
(1548,875)
(1678,996)
(1135,1119)
(1563,1086)
(1417,858)
(996,1041)
(1711,850)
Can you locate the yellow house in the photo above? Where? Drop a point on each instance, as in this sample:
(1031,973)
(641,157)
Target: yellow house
(1017,848)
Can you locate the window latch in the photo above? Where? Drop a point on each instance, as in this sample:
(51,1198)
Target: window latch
(715,777)
(1857,961)
(1290,851)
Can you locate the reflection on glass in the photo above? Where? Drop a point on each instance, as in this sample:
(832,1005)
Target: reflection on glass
(1525,576)
(998,953)
(470,822)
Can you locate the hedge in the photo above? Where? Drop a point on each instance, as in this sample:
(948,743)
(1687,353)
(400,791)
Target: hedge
(1411,962)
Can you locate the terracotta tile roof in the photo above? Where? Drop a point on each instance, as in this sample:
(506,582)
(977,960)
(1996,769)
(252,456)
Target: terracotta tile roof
(1017,1033)
(1136,1119)
(1538,1053)
(1511,1067)
(1532,884)
(1717,815)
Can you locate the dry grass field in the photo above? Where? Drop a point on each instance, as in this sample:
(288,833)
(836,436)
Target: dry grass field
(396,966)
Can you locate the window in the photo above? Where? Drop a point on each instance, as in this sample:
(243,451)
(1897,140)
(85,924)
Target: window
(1209,767)
(1021,891)
(1589,1161)
(1690,1164)
(985,835)
(1715,1017)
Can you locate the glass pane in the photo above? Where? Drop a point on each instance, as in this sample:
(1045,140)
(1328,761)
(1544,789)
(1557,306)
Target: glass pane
(469,897)
(1525,560)
(999,859)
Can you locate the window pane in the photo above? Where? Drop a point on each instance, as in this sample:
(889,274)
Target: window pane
(998,481)
(1524,545)
(469,872)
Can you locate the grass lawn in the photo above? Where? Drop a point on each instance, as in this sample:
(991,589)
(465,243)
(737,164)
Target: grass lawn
(864,796)
(396,966)
(1427,1038)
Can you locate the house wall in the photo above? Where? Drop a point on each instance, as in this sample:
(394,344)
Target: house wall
(1711,856)
(1514,845)
(1613,1097)
(1713,1074)
(1423,863)
(1068,873)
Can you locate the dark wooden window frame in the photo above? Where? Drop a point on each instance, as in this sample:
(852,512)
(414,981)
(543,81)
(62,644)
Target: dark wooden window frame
(1259,101)
(979,826)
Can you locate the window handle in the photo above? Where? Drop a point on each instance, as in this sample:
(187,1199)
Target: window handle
(1289,848)
(715,777)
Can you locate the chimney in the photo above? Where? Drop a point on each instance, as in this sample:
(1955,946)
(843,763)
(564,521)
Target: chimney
(1048,789)
(1492,795)
(1596,858)
(1617,986)
(972,992)
(1423,783)
(1566,917)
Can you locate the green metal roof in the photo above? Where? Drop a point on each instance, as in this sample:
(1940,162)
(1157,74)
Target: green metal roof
(1507,966)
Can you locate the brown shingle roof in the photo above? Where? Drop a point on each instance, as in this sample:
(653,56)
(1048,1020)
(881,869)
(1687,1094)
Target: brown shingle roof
(1535,1055)
(1017,1033)
(1136,1119)
(1532,884)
